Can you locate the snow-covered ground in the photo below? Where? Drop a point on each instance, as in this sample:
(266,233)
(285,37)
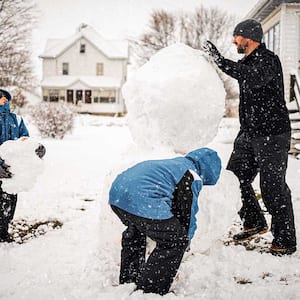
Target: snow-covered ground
(80,260)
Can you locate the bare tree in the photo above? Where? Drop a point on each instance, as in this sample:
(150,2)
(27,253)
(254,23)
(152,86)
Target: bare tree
(16,23)
(204,24)
(192,29)
(161,34)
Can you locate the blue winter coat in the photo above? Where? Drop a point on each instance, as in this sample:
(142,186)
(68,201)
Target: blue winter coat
(146,189)
(12,126)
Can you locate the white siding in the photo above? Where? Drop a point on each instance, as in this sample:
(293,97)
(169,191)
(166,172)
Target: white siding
(49,67)
(288,17)
(298,36)
(84,64)
(289,41)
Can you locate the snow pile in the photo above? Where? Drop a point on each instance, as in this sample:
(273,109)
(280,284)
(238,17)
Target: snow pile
(24,164)
(176,100)
(82,259)
(218,206)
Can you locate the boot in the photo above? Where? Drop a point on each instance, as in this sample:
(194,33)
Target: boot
(279,251)
(248,233)
(4,235)
(7,210)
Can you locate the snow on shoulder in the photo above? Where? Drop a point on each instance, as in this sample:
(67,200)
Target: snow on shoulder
(175,100)
(23,163)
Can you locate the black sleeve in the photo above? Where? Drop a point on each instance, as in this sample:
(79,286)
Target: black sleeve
(256,75)
(182,200)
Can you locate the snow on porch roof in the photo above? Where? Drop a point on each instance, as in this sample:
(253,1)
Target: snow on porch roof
(114,49)
(90,81)
(264,8)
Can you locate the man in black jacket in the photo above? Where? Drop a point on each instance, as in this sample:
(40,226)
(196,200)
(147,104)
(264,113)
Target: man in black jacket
(263,141)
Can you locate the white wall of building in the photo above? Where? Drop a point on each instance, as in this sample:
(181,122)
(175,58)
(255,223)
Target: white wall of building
(289,41)
(289,18)
(84,64)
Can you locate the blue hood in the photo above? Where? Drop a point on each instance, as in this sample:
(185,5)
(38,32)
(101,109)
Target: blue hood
(207,163)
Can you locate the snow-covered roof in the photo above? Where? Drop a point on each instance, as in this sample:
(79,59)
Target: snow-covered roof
(264,8)
(114,49)
(91,81)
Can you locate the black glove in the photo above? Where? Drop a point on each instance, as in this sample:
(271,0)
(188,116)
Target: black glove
(40,151)
(4,172)
(212,51)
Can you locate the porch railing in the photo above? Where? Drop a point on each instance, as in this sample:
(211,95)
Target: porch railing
(295,90)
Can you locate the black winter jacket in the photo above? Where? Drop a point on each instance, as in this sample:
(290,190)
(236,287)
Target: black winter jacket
(262,108)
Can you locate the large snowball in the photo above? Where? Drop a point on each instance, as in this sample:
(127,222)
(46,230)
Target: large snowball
(24,164)
(176,100)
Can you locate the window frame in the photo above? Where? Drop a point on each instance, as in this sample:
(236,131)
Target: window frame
(65,68)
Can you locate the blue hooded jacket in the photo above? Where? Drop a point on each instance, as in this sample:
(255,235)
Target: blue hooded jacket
(12,126)
(146,189)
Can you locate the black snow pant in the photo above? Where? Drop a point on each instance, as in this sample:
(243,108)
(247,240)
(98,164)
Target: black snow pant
(156,274)
(268,156)
(8,204)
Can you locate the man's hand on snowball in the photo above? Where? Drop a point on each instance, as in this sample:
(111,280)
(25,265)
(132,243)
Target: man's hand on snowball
(213,52)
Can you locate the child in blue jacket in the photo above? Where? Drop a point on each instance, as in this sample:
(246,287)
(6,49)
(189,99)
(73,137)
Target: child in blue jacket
(11,127)
(158,199)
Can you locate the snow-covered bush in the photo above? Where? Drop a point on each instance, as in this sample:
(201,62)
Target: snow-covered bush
(53,119)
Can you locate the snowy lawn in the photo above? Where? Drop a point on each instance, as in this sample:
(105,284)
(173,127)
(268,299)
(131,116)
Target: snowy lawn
(81,259)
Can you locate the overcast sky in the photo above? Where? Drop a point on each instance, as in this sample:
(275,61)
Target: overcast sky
(113,18)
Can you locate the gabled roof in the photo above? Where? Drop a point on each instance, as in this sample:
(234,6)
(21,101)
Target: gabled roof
(110,48)
(65,81)
(264,8)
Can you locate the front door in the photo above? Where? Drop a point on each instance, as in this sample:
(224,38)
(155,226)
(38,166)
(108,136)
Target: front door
(88,96)
(70,96)
(78,96)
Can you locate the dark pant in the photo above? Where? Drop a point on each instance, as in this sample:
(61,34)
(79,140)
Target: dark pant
(156,274)
(7,210)
(268,156)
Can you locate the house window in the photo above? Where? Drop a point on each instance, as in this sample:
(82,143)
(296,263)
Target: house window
(104,96)
(99,71)
(53,95)
(272,38)
(82,48)
(65,68)
(104,100)
(277,39)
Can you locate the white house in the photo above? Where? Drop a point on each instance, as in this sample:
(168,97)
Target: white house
(280,20)
(87,70)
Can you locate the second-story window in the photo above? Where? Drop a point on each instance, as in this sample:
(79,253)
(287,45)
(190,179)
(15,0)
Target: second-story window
(99,70)
(82,48)
(65,68)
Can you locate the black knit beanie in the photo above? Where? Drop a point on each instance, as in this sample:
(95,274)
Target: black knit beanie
(250,29)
